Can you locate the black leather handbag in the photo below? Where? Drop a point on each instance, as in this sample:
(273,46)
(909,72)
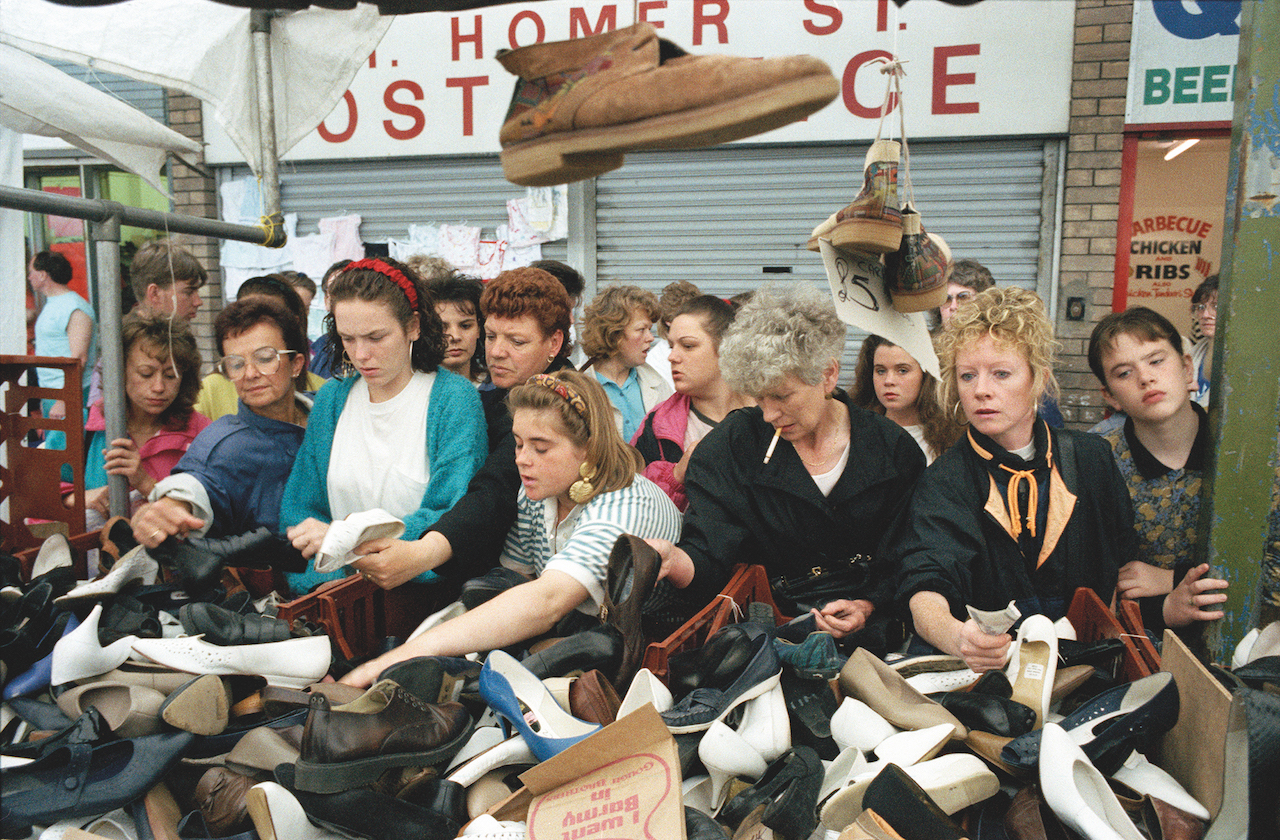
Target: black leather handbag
(822,584)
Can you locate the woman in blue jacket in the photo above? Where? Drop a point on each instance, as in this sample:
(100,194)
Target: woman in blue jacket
(401,434)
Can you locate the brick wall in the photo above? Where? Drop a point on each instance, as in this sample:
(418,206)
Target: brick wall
(1092,192)
(194,195)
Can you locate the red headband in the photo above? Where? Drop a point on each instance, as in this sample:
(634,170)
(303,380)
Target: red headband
(394,274)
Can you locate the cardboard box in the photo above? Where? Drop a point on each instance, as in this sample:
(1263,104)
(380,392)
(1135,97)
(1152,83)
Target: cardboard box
(622,783)
(1194,750)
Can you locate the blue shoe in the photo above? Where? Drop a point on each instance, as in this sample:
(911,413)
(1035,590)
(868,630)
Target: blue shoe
(1109,726)
(37,678)
(815,658)
(704,706)
(520,698)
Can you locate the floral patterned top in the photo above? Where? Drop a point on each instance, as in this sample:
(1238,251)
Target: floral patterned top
(1166,503)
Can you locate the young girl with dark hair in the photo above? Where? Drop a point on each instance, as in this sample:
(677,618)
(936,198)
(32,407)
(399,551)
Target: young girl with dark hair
(399,434)
(889,381)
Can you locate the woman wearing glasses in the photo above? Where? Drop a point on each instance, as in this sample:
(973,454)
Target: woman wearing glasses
(232,477)
(401,434)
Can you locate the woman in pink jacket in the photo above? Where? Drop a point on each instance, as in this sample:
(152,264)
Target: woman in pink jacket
(670,432)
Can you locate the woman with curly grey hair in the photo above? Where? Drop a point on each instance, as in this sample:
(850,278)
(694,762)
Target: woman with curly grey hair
(805,483)
(1018,511)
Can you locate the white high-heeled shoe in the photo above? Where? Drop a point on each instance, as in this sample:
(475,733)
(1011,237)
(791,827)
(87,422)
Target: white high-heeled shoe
(483,738)
(645,688)
(277,815)
(437,618)
(697,794)
(514,750)
(1077,792)
(954,782)
(855,724)
(134,565)
(79,654)
(726,755)
(1145,777)
(907,748)
(766,725)
(1033,663)
(847,766)
(54,553)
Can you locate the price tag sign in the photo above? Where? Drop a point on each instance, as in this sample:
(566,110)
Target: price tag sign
(862,301)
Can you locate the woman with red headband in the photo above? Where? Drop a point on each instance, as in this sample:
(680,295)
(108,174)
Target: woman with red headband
(400,433)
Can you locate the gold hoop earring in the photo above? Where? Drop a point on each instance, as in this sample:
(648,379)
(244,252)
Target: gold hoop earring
(582,489)
(831,395)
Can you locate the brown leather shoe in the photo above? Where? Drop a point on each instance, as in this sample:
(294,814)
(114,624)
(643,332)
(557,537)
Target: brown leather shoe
(350,745)
(633,571)
(592,698)
(222,796)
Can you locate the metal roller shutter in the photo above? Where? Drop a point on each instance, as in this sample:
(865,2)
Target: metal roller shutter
(390,195)
(732,218)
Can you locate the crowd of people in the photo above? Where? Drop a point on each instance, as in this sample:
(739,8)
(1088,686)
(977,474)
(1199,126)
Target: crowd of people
(746,432)
(883,515)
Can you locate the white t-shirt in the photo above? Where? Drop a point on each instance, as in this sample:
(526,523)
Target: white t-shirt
(827,481)
(379,455)
(917,432)
(696,429)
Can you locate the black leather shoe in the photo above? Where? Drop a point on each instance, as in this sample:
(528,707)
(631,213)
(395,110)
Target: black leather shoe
(124,616)
(903,804)
(432,679)
(89,728)
(221,626)
(364,813)
(1111,725)
(698,826)
(716,663)
(810,704)
(83,780)
(792,783)
(499,579)
(633,570)
(598,649)
(988,713)
(198,561)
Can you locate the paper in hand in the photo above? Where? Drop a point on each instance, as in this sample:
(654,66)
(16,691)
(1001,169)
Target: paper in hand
(995,622)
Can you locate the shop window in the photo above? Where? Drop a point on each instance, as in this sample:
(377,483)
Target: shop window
(1171,220)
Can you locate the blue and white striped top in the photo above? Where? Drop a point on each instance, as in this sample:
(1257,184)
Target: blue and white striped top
(580,546)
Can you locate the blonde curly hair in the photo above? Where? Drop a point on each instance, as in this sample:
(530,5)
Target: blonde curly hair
(780,331)
(1012,316)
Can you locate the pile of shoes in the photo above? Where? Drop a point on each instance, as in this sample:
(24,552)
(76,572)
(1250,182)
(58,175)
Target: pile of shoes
(232,731)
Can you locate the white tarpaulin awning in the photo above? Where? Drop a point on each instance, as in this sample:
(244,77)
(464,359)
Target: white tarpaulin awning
(37,98)
(203,48)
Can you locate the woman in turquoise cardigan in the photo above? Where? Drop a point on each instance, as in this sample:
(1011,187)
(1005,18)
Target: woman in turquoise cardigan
(402,434)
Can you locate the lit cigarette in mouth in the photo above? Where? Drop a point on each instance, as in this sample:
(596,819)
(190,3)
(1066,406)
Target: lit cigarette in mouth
(773,444)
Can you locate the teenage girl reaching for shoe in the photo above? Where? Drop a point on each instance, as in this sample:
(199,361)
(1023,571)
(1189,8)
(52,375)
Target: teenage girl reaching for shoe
(401,434)
(579,492)
(889,381)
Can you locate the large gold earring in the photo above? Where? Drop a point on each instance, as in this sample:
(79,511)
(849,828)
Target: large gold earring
(582,489)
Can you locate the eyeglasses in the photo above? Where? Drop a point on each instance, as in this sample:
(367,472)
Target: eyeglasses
(960,298)
(265,359)
(1201,308)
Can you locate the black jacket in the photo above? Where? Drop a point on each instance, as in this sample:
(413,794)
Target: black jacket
(742,510)
(955,538)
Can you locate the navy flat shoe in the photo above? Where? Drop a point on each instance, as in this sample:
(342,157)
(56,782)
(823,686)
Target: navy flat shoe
(1114,724)
(704,706)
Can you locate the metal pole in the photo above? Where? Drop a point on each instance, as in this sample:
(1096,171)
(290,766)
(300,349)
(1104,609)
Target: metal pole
(35,201)
(105,236)
(260,29)
(1246,362)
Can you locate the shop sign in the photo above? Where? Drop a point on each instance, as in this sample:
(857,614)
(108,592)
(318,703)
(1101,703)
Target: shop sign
(1182,61)
(433,86)
(1171,251)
